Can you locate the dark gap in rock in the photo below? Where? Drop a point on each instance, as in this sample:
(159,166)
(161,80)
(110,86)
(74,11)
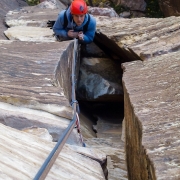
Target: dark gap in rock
(4,23)
(109,111)
(105,170)
(113,51)
(110,107)
(100,90)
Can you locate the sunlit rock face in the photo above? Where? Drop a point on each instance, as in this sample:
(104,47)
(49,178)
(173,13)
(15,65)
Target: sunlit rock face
(31,80)
(28,152)
(151,91)
(33,16)
(52,4)
(40,132)
(33,121)
(170,7)
(110,12)
(99,80)
(34,34)
(139,38)
(30,23)
(152,96)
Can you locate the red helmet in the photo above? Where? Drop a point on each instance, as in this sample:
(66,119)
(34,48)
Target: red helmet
(78,7)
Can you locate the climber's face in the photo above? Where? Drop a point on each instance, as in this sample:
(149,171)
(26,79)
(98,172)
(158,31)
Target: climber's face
(78,19)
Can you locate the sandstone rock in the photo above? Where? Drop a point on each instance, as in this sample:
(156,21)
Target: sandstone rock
(31,16)
(92,153)
(40,132)
(66,2)
(22,155)
(99,79)
(125,14)
(6,6)
(52,4)
(116,163)
(92,50)
(170,7)
(135,5)
(139,38)
(109,130)
(110,12)
(33,34)
(86,127)
(30,23)
(152,96)
(132,4)
(34,120)
(123,136)
(28,76)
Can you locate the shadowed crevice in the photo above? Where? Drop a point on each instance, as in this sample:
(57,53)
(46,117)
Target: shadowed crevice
(113,50)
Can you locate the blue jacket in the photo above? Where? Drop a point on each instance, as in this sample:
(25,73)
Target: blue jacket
(59,29)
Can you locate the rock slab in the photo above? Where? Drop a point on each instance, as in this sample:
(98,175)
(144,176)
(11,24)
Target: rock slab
(152,117)
(22,155)
(28,76)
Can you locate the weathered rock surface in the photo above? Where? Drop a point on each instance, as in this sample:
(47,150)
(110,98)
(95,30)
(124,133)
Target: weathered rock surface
(52,4)
(100,80)
(34,16)
(110,12)
(109,141)
(139,38)
(29,119)
(33,34)
(28,76)
(152,116)
(40,132)
(139,5)
(108,136)
(92,50)
(152,86)
(5,6)
(170,7)
(66,2)
(30,23)
(86,127)
(22,155)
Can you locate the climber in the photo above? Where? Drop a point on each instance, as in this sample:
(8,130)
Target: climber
(75,22)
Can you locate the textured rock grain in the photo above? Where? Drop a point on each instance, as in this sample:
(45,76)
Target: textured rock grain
(22,155)
(170,7)
(28,76)
(152,103)
(141,38)
(31,16)
(5,6)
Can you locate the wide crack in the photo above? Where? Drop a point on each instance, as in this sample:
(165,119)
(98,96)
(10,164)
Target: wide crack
(105,118)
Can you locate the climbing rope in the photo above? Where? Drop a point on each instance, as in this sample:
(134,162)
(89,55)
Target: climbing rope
(74,101)
(45,168)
